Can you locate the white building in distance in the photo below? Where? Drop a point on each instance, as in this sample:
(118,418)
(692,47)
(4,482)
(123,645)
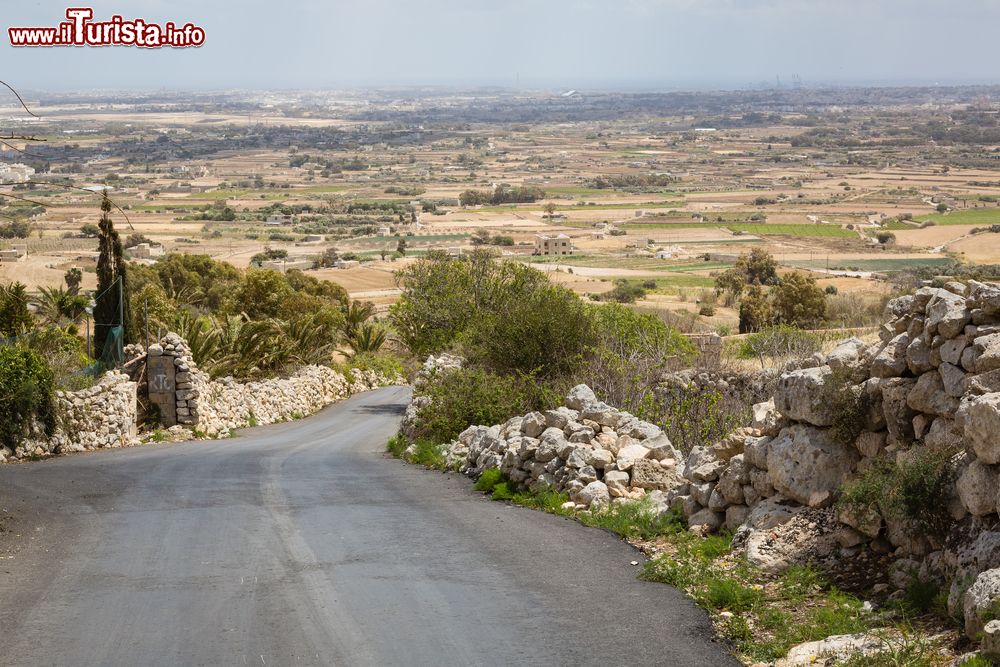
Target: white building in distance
(15,172)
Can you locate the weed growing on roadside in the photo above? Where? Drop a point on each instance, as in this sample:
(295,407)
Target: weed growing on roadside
(397,445)
(428,454)
(633,520)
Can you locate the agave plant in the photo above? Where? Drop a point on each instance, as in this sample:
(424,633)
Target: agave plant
(356,314)
(370,337)
(201,336)
(310,339)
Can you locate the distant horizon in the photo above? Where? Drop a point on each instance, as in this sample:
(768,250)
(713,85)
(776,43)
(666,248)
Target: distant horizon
(621,46)
(473,87)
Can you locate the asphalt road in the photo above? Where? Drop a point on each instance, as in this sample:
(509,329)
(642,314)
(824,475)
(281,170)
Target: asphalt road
(303,544)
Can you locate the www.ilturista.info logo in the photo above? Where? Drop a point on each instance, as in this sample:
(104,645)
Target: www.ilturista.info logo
(80,30)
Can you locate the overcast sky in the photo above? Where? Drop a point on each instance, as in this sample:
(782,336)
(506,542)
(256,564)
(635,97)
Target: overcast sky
(554,44)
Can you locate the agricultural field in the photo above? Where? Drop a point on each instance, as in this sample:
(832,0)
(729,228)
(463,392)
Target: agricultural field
(352,193)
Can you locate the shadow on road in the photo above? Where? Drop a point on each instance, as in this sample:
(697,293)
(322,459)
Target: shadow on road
(386,409)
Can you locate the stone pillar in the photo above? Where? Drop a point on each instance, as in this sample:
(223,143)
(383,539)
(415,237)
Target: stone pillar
(161,383)
(179,396)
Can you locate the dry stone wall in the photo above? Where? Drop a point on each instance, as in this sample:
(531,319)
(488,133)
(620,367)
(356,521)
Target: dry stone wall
(95,418)
(225,404)
(217,406)
(105,415)
(930,385)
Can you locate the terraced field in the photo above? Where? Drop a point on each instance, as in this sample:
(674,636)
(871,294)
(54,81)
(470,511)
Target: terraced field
(965,216)
(887,264)
(830,231)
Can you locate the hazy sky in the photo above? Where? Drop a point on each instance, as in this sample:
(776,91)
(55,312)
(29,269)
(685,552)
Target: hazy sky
(623,44)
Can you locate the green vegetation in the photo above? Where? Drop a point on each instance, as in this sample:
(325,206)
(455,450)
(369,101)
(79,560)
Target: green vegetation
(27,395)
(501,194)
(769,617)
(111,305)
(797,301)
(475,396)
(634,520)
(397,445)
(803,230)
(631,520)
(779,342)
(427,453)
(254,323)
(884,265)
(964,216)
(15,318)
(915,490)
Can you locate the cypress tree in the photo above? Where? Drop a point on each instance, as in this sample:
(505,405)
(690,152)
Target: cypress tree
(110,267)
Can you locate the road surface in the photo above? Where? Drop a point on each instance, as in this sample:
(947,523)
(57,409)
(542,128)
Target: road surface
(303,544)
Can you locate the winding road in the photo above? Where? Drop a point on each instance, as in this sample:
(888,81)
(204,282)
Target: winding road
(304,544)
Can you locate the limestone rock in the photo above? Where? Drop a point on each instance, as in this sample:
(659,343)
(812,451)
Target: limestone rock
(977,488)
(980,601)
(629,454)
(928,395)
(580,397)
(594,495)
(802,395)
(705,521)
(982,426)
(702,465)
(947,313)
(835,648)
(987,352)
(891,360)
(650,475)
(808,465)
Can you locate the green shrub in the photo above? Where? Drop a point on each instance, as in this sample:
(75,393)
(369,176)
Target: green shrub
(27,394)
(916,490)
(63,353)
(385,364)
(722,592)
(464,397)
(696,415)
(779,342)
(545,330)
(850,406)
(631,353)
(15,318)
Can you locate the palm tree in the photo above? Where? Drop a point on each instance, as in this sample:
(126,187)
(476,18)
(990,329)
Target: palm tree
(73,278)
(57,305)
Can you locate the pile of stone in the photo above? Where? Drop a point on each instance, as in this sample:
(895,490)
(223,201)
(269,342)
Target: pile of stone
(94,418)
(586,448)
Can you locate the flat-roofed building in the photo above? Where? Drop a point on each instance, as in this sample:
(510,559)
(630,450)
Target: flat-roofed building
(553,245)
